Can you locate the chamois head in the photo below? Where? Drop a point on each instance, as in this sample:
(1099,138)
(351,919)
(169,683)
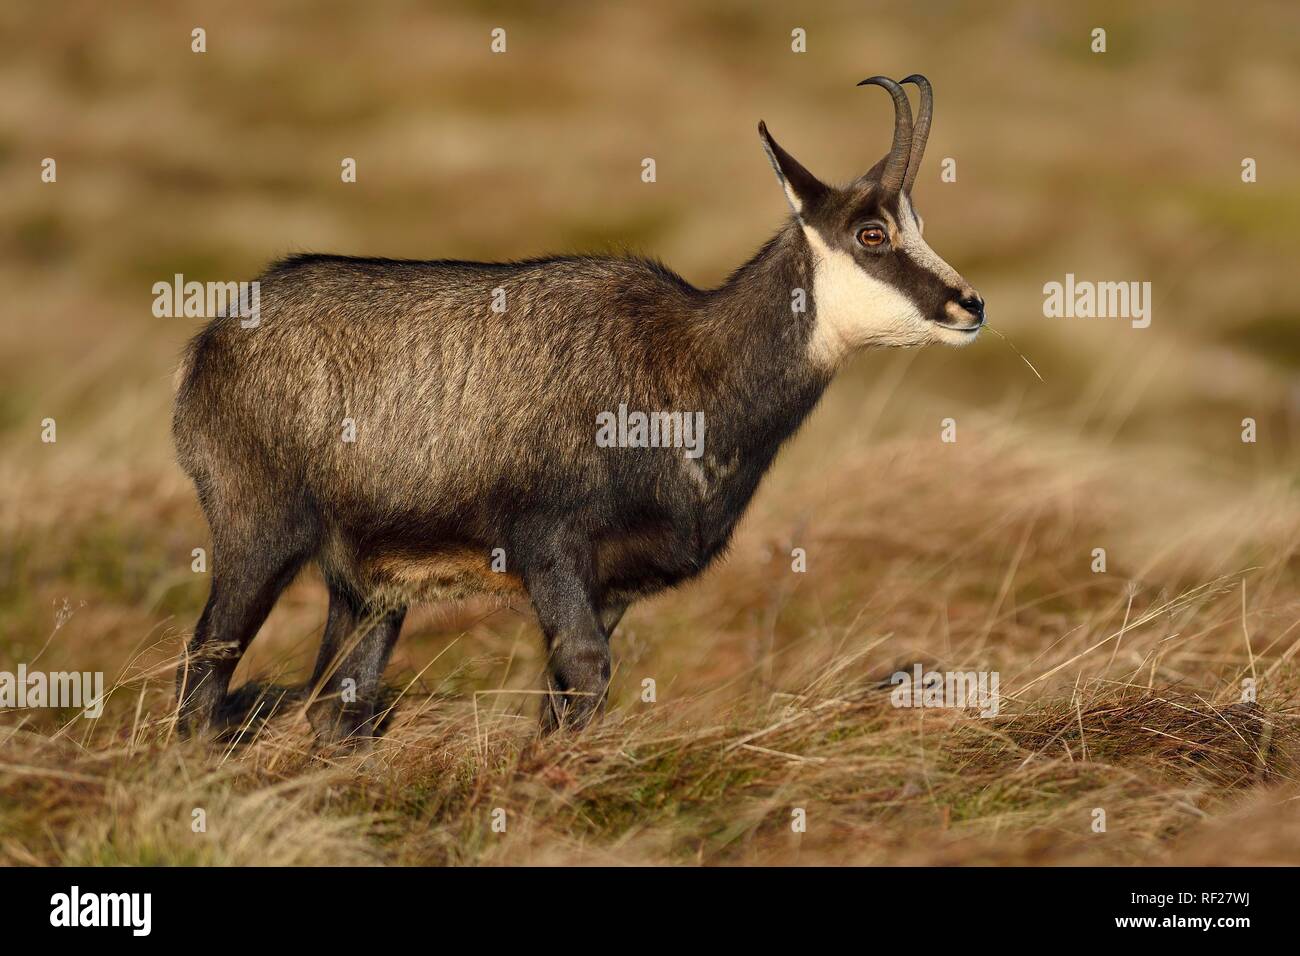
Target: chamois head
(876,282)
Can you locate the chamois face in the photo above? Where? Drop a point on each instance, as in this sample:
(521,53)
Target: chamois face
(875,280)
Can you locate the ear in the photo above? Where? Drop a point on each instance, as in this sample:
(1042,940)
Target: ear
(873,174)
(802,188)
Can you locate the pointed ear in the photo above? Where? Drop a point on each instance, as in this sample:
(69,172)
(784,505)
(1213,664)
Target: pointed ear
(802,188)
(873,174)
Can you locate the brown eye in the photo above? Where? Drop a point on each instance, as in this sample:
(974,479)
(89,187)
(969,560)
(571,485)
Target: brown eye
(871,236)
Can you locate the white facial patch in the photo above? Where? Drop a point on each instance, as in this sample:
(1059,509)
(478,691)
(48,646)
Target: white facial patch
(856,310)
(910,241)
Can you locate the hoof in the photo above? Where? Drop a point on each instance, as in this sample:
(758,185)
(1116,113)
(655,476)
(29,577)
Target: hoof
(351,725)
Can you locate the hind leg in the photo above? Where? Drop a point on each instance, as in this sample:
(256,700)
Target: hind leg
(359,639)
(247,577)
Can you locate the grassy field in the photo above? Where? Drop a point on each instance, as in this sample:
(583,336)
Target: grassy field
(1123,690)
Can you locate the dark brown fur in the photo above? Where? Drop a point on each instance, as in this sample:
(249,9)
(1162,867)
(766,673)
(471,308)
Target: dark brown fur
(475,436)
(475,430)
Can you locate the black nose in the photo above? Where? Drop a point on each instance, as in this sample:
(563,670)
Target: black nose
(973,304)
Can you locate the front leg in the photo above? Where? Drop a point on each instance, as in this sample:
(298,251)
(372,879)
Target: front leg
(358,641)
(577,647)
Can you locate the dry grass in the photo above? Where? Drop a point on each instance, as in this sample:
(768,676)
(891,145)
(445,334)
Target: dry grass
(1122,691)
(1120,697)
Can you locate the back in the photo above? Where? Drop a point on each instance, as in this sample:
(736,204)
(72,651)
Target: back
(387,387)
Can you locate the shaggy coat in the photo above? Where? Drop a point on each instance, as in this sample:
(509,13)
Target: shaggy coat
(427,430)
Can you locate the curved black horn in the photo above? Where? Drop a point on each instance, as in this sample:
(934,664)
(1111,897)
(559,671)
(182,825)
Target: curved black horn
(921,131)
(896,165)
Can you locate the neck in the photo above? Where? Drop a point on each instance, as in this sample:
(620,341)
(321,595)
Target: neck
(750,349)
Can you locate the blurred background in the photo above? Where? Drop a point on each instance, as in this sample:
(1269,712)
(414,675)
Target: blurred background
(1116,166)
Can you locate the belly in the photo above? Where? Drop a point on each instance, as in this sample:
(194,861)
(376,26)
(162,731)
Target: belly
(442,575)
(628,563)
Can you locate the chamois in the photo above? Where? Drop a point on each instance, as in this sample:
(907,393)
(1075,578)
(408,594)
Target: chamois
(389,420)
